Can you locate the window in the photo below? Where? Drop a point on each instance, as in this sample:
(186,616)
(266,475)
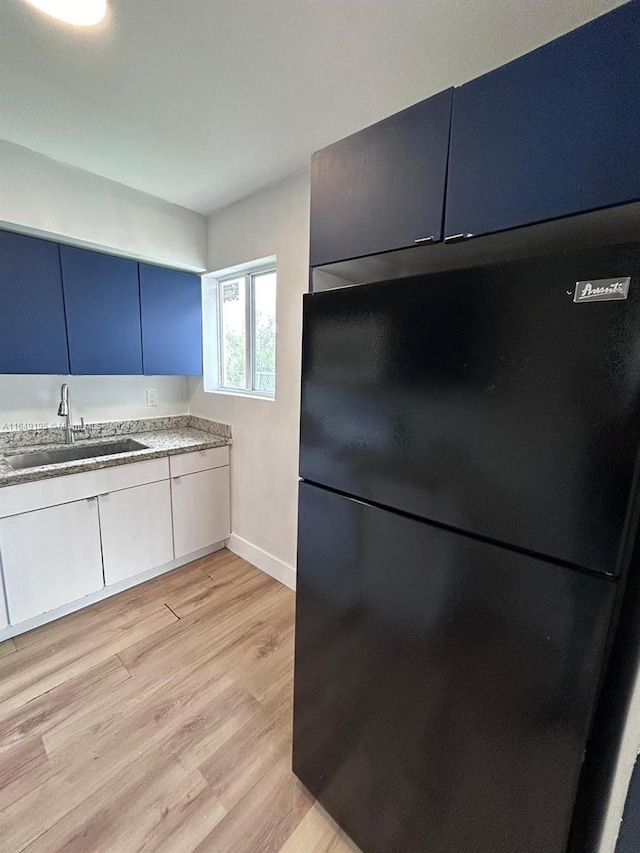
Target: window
(239,316)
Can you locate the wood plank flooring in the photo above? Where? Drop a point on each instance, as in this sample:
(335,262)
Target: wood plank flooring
(159,720)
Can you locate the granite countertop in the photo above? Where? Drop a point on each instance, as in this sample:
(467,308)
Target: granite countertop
(166,437)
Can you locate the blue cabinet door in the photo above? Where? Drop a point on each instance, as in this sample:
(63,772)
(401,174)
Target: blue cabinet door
(553,133)
(102,300)
(33,337)
(171,322)
(382,188)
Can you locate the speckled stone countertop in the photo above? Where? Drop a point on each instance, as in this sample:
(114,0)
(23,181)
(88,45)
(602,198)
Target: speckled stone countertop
(161,437)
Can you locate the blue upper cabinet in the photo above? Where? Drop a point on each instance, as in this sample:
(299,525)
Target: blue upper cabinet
(382,188)
(33,338)
(553,133)
(102,300)
(171,304)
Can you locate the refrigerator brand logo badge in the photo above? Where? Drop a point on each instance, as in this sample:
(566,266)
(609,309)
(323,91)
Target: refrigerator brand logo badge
(601,289)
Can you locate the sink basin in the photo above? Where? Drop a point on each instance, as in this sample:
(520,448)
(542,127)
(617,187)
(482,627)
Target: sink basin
(68,454)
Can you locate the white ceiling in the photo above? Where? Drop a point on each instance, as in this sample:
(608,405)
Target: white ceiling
(202,102)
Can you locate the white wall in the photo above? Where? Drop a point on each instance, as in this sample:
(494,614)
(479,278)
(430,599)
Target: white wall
(33,399)
(42,197)
(265,433)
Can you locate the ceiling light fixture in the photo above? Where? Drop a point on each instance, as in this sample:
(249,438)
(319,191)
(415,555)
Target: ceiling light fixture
(82,13)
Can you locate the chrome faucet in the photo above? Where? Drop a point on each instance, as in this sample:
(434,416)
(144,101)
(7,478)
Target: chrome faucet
(64,411)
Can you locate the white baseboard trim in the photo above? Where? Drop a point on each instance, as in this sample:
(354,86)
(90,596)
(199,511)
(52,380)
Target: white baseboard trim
(105,592)
(264,561)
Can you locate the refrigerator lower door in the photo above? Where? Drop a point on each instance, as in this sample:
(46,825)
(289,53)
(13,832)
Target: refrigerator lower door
(444,686)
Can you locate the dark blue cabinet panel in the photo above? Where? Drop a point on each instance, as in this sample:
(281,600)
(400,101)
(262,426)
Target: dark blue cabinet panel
(102,300)
(171,322)
(32,329)
(630,830)
(382,188)
(553,133)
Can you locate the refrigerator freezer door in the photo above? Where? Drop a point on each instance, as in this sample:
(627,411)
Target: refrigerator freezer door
(444,686)
(484,399)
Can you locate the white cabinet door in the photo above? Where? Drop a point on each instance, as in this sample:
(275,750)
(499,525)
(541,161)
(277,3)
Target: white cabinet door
(50,557)
(200,510)
(136,530)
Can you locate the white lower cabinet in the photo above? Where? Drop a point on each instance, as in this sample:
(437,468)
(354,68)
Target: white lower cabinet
(59,543)
(136,530)
(200,509)
(50,557)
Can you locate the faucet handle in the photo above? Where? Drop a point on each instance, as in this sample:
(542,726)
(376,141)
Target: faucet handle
(81,428)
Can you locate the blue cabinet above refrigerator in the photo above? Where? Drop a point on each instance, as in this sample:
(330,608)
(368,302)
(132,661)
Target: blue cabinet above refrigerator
(551,134)
(382,188)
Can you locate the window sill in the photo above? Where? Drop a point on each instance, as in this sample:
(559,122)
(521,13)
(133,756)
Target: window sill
(246,394)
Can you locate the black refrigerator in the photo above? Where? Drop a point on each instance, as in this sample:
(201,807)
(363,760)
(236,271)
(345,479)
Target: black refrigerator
(467,516)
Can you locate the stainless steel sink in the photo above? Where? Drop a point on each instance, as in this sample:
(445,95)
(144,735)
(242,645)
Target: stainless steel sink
(68,454)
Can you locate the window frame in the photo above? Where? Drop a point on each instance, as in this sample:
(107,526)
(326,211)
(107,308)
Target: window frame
(247,273)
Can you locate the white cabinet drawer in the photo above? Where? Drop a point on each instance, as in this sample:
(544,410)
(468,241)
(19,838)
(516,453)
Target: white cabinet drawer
(135,527)
(50,557)
(200,509)
(26,497)
(199,460)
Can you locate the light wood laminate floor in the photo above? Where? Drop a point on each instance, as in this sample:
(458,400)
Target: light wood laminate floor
(159,720)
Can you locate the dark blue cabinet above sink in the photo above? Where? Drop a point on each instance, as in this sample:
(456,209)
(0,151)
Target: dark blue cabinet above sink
(383,187)
(553,133)
(171,310)
(33,338)
(102,301)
